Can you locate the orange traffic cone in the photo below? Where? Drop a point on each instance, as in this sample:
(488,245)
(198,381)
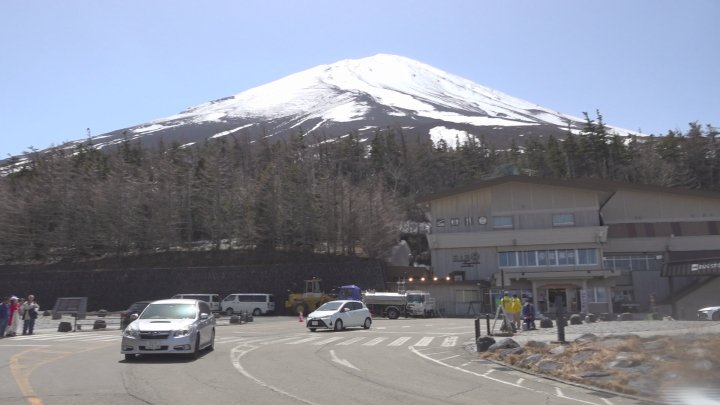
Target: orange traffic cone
(300,317)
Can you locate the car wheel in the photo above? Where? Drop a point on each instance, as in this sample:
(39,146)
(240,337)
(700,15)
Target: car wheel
(312,329)
(211,347)
(393,313)
(129,357)
(338,325)
(367,323)
(716,316)
(229,311)
(256,312)
(196,351)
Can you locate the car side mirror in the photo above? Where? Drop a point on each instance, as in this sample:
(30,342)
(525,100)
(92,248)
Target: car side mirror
(134,316)
(204,316)
(346,309)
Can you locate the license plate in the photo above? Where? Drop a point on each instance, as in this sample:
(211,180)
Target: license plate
(152,346)
(314,323)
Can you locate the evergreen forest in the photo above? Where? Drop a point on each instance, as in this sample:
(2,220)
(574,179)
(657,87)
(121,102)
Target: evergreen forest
(345,196)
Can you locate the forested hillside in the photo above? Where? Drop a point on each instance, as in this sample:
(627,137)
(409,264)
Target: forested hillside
(345,196)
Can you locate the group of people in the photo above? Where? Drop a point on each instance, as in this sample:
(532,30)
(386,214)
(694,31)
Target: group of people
(15,311)
(516,312)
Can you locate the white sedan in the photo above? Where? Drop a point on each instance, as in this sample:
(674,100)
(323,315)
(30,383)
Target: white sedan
(709,313)
(337,315)
(174,326)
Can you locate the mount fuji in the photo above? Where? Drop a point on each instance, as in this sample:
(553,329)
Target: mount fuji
(361,96)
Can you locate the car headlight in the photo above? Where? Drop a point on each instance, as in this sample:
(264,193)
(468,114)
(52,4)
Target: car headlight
(182,332)
(131,332)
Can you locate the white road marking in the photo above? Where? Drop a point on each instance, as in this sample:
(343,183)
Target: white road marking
(424,341)
(238,352)
(326,341)
(519,381)
(351,341)
(342,362)
(399,341)
(449,341)
(487,376)
(297,342)
(375,341)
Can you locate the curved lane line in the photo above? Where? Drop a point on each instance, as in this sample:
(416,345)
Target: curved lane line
(238,352)
(487,376)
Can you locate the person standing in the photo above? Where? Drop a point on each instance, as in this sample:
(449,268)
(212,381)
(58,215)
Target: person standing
(14,316)
(516,306)
(528,314)
(507,306)
(4,315)
(30,311)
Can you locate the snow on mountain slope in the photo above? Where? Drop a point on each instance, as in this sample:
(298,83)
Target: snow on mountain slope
(360,96)
(407,87)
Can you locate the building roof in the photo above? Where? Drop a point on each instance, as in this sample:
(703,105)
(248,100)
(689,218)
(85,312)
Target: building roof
(590,184)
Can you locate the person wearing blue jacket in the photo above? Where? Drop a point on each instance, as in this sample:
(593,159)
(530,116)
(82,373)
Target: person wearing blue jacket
(528,315)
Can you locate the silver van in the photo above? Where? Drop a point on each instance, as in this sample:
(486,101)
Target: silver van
(212,299)
(256,304)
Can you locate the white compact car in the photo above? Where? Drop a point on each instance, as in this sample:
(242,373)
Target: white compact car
(174,326)
(338,315)
(709,313)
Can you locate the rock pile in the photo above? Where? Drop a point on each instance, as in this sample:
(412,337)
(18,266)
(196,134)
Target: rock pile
(627,364)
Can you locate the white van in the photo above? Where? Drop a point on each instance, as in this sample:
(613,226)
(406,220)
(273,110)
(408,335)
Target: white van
(257,304)
(212,299)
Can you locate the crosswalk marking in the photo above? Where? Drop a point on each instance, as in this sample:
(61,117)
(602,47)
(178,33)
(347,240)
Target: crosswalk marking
(399,341)
(424,341)
(326,341)
(449,341)
(373,342)
(318,339)
(350,341)
(297,342)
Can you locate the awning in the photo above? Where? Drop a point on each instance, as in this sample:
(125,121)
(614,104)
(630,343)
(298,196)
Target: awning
(689,264)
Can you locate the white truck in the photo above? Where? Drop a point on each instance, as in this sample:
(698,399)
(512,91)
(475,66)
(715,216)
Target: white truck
(393,305)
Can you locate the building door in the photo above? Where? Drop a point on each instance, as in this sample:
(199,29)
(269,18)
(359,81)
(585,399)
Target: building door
(556,296)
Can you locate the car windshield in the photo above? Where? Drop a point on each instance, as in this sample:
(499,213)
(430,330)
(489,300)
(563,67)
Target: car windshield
(137,307)
(169,311)
(330,306)
(416,298)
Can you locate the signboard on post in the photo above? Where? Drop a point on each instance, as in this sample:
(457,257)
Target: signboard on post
(76,306)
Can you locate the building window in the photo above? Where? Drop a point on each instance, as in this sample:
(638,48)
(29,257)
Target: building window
(563,219)
(634,263)
(566,257)
(528,258)
(507,259)
(468,221)
(440,222)
(454,221)
(587,256)
(502,222)
(547,258)
(598,295)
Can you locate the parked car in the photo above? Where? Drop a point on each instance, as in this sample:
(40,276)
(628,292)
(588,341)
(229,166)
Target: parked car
(174,326)
(338,315)
(135,308)
(257,304)
(709,313)
(212,299)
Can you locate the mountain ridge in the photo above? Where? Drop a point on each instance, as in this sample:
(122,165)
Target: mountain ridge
(356,95)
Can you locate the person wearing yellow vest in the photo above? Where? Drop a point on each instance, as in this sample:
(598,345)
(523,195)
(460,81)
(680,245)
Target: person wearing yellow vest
(516,307)
(507,306)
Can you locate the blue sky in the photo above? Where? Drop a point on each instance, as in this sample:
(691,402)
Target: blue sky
(649,65)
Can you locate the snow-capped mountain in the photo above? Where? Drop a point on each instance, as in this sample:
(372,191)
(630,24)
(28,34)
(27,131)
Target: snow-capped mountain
(357,95)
